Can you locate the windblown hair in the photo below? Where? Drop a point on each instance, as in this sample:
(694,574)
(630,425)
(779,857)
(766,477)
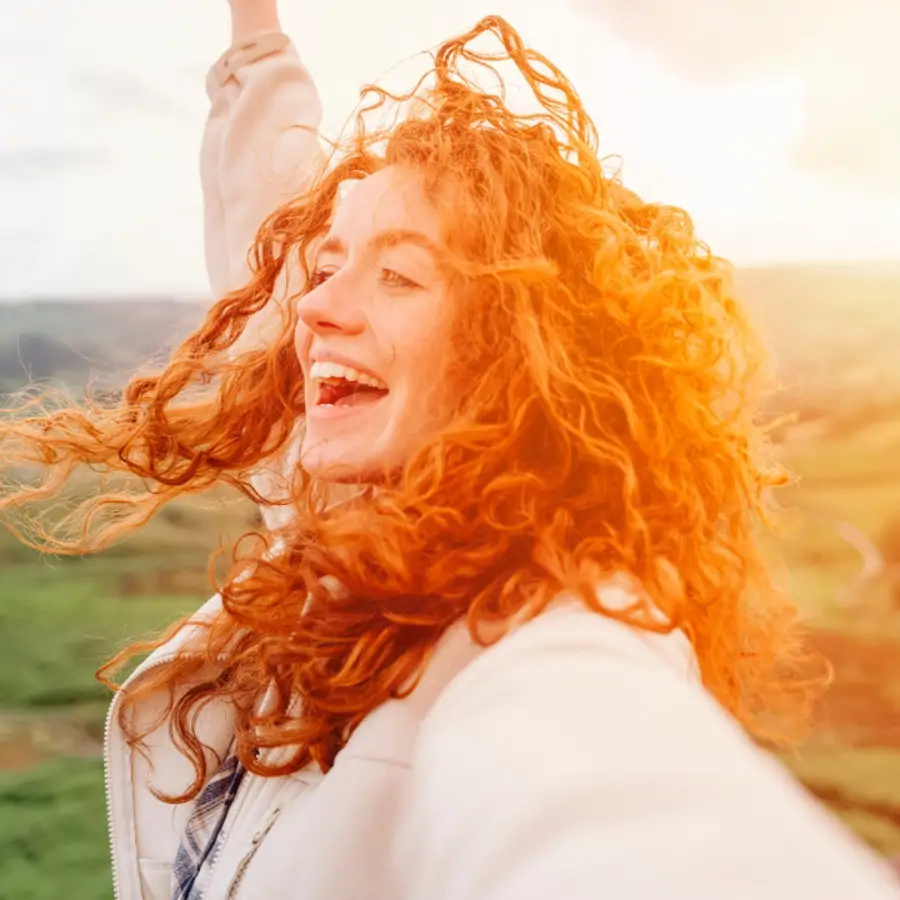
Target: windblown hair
(606,422)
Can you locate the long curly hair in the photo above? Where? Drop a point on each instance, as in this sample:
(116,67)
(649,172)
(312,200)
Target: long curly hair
(607,422)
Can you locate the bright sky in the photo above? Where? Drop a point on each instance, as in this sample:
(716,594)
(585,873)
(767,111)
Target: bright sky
(776,123)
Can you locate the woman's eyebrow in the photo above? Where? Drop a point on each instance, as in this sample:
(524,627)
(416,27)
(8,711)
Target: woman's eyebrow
(332,244)
(392,237)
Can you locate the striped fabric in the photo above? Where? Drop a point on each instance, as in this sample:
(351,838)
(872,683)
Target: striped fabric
(193,863)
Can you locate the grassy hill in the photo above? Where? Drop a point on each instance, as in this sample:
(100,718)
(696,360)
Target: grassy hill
(834,331)
(76,341)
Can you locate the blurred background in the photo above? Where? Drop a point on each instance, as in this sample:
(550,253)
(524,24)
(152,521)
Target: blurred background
(776,125)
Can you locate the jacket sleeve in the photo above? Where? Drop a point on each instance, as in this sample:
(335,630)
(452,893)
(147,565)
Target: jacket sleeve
(260,149)
(577,758)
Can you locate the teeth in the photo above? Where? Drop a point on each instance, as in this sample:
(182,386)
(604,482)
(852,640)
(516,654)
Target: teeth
(322,371)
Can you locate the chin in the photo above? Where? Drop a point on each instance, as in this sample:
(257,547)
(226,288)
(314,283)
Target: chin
(335,472)
(324,464)
(367,456)
(350,468)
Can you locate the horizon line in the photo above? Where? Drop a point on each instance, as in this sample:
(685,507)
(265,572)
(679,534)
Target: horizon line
(171,297)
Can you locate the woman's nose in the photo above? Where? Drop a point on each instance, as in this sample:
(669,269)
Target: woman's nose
(332,307)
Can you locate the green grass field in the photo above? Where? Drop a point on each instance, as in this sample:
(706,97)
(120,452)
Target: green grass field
(53,839)
(60,618)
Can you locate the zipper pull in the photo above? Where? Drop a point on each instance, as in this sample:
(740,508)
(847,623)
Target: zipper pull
(270,821)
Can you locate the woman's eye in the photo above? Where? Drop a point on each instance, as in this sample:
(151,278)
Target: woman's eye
(319,277)
(392,278)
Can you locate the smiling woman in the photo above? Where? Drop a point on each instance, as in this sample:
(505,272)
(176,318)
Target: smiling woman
(517,661)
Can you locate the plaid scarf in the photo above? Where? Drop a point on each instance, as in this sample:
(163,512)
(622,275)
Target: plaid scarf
(193,862)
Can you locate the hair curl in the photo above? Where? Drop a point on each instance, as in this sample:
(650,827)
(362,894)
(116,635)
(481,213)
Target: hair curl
(611,427)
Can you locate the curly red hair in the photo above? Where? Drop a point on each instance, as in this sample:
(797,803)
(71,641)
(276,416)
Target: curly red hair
(607,423)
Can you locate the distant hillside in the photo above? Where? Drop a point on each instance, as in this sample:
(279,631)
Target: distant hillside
(816,316)
(833,328)
(75,341)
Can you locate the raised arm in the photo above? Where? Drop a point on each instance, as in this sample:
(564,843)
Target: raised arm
(253,158)
(253,155)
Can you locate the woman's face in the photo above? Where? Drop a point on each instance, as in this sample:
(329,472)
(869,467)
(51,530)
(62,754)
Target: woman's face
(373,330)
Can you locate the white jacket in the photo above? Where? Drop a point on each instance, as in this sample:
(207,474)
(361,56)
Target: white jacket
(577,758)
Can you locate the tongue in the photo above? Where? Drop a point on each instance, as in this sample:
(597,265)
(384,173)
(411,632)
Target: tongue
(348,393)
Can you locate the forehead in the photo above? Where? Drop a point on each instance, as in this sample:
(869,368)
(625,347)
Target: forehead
(391,199)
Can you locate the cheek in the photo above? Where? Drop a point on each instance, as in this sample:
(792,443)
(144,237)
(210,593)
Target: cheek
(302,340)
(420,344)
(422,356)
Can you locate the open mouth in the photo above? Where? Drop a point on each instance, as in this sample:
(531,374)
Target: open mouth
(336,385)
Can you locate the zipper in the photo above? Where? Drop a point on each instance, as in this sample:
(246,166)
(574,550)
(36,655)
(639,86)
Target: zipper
(234,815)
(107,756)
(107,759)
(113,860)
(179,642)
(248,856)
(231,816)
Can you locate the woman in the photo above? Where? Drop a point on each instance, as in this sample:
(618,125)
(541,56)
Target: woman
(513,661)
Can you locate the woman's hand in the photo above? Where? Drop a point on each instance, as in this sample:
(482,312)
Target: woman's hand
(252,17)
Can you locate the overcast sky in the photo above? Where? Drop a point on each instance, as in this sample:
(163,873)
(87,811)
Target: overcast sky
(776,123)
